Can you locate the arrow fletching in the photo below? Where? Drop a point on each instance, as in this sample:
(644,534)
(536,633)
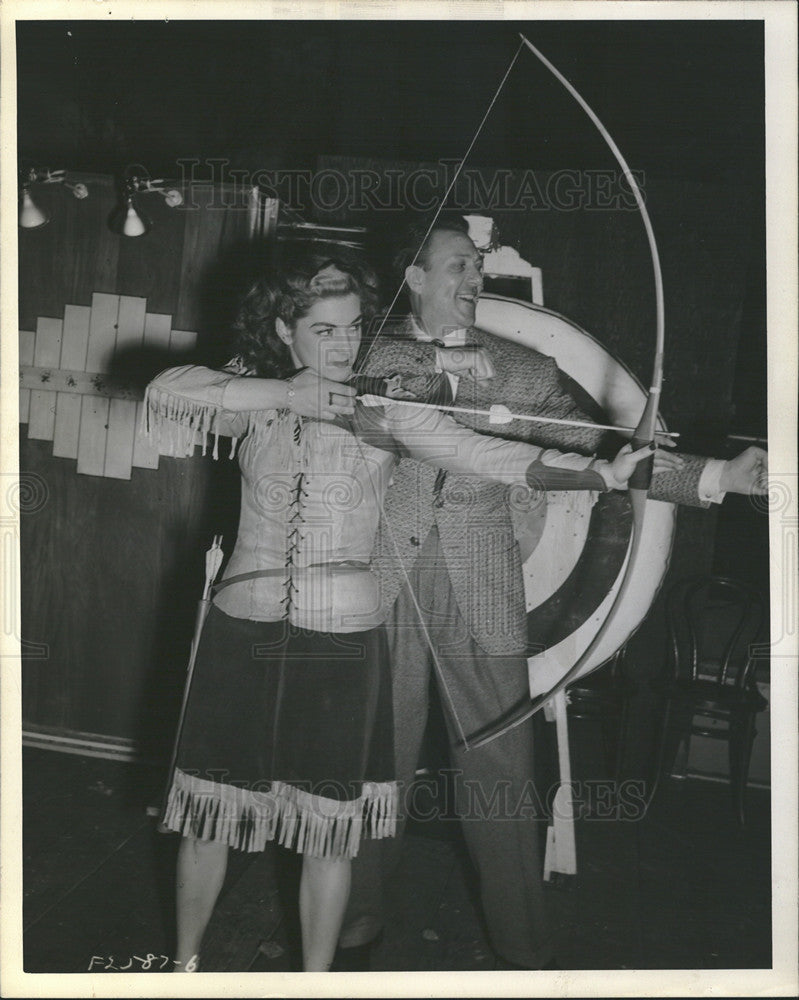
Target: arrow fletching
(213,560)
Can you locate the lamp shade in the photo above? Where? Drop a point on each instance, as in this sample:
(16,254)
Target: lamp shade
(127,220)
(134,224)
(30,215)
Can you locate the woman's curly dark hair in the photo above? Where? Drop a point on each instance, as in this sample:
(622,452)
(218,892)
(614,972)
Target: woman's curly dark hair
(288,291)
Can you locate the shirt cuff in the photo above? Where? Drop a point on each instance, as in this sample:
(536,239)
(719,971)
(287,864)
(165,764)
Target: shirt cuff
(709,488)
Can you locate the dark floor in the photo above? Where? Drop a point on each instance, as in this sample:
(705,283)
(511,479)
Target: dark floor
(683,887)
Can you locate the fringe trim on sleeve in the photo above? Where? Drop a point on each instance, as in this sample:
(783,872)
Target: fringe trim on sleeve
(175,425)
(297,819)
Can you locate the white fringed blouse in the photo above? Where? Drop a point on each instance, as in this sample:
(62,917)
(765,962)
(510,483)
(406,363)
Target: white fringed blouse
(312,492)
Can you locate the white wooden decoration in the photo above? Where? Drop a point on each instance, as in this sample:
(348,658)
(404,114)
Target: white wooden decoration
(74,346)
(46,354)
(505,262)
(70,393)
(94,411)
(122,412)
(145,456)
(27,340)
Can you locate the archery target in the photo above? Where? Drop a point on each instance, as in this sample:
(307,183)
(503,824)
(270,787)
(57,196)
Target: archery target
(575,552)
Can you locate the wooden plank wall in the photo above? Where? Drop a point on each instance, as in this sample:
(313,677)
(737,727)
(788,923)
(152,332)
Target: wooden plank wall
(188,250)
(111,569)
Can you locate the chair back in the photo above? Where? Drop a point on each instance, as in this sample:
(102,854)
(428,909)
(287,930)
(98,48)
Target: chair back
(713,622)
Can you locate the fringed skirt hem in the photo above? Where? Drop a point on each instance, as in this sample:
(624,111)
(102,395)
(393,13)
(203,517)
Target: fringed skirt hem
(293,817)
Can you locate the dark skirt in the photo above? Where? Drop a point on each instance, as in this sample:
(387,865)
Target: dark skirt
(288,736)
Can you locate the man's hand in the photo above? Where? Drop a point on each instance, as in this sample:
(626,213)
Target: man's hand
(467,362)
(309,395)
(747,473)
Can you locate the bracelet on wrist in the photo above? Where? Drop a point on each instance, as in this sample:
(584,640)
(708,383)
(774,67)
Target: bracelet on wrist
(291,392)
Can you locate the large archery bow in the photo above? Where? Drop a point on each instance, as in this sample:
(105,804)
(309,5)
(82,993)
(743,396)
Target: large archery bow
(644,433)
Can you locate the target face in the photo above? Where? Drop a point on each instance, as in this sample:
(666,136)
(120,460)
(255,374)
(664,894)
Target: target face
(575,552)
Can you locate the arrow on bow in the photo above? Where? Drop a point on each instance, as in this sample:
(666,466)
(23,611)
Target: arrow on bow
(644,434)
(498,414)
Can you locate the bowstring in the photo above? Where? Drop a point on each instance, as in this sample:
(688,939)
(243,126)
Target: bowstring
(443,202)
(417,607)
(392,537)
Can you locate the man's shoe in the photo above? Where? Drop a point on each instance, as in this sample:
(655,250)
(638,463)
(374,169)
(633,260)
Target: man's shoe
(355,959)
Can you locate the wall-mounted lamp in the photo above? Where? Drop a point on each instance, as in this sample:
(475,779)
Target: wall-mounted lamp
(128,219)
(30,215)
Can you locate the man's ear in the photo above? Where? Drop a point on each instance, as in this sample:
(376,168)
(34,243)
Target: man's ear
(414,278)
(282,331)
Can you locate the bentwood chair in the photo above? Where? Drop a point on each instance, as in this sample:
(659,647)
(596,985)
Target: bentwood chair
(709,689)
(603,697)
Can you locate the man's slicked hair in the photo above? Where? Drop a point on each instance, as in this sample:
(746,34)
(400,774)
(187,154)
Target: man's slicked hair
(417,241)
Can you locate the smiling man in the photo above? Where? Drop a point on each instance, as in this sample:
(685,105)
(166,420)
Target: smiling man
(446,281)
(447,551)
